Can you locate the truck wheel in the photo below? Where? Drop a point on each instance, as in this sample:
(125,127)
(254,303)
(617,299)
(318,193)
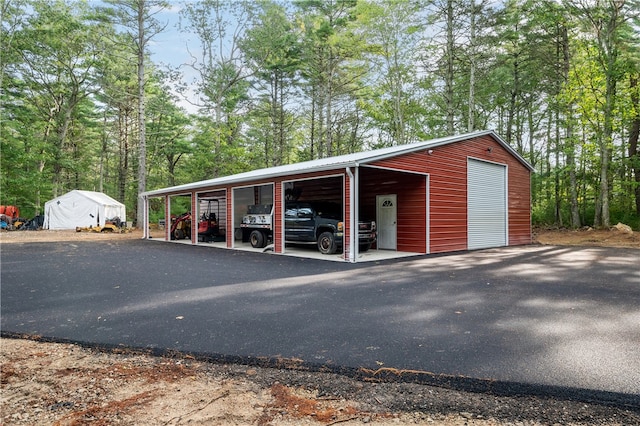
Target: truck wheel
(327,243)
(257,239)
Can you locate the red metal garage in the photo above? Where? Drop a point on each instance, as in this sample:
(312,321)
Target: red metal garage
(463,192)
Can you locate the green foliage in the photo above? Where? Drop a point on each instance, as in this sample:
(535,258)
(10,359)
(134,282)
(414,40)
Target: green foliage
(273,54)
(625,216)
(214,152)
(281,82)
(544,215)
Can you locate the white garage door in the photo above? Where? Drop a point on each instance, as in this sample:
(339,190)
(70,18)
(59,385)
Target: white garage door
(487,205)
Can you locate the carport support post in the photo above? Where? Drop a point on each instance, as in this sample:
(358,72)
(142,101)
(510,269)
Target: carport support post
(145,217)
(353,210)
(167,218)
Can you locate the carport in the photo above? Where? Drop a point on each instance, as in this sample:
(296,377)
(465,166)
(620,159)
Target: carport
(462,192)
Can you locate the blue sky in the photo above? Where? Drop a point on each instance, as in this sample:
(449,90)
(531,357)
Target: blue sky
(170,47)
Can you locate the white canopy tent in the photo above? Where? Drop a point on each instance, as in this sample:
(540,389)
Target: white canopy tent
(81,209)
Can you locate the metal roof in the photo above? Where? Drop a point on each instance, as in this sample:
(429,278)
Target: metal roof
(332,163)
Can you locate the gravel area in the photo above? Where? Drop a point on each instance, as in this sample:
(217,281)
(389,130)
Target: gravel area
(65,384)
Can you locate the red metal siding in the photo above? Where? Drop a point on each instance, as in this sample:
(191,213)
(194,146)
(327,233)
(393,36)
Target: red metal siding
(519,206)
(447,169)
(347,216)
(321,188)
(411,190)
(277,218)
(447,194)
(412,216)
(229,232)
(194,218)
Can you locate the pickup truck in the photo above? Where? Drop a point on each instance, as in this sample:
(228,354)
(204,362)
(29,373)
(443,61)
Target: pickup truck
(314,222)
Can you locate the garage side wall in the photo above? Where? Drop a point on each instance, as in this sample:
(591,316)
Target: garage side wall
(519,206)
(447,169)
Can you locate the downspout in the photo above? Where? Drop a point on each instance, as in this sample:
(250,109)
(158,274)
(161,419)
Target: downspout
(352,214)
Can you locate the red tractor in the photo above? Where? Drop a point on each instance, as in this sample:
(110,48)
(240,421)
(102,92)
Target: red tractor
(208,229)
(181,227)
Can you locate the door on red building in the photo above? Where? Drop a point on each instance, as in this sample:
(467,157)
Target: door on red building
(386,220)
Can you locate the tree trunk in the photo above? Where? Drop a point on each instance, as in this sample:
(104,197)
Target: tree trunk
(328,128)
(58,167)
(320,131)
(511,113)
(531,154)
(472,70)
(103,153)
(123,161)
(573,182)
(597,219)
(547,164)
(606,19)
(449,70)
(282,130)
(38,202)
(312,130)
(274,123)
(605,150)
(398,114)
(569,141)
(634,134)
(556,172)
(142,148)
(172,161)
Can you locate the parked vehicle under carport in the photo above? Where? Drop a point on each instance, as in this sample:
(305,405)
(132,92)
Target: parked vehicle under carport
(314,222)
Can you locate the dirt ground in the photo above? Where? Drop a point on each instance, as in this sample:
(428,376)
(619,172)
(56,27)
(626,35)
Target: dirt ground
(581,237)
(64,384)
(587,237)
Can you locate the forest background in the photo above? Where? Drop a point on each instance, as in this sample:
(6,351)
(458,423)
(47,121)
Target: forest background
(266,83)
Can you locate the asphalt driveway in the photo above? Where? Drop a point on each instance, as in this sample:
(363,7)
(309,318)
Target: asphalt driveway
(538,316)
